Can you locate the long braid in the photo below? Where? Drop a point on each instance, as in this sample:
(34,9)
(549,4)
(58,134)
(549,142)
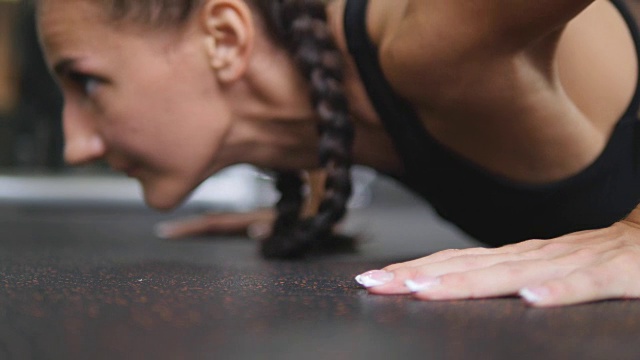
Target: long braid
(301,25)
(289,206)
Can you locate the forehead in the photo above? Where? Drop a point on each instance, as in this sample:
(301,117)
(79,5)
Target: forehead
(55,16)
(85,29)
(64,24)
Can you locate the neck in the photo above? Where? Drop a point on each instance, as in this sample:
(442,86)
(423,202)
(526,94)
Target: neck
(275,125)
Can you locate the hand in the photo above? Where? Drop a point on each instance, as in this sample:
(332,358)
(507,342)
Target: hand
(256,224)
(576,268)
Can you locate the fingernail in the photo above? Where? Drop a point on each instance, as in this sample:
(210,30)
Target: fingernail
(422,283)
(163,230)
(374,278)
(259,231)
(533,295)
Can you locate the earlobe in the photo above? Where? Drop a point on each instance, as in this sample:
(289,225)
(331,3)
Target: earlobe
(229,38)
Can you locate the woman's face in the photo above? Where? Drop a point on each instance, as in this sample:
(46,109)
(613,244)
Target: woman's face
(144,100)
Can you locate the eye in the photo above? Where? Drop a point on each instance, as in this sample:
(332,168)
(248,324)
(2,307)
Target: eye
(87,84)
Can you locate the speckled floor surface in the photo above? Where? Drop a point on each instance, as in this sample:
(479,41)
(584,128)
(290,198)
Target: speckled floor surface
(94,283)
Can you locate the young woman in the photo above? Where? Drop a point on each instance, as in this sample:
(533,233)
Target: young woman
(515,120)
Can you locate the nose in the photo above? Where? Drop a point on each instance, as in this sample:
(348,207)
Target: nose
(83,143)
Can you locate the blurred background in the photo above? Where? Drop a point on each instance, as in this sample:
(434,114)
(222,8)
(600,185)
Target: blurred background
(30,105)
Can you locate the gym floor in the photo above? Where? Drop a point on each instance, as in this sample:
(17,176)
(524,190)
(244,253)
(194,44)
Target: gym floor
(81,282)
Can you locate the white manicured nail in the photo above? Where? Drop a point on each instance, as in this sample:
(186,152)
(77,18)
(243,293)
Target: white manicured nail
(533,295)
(259,231)
(374,278)
(421,284)
(163,230)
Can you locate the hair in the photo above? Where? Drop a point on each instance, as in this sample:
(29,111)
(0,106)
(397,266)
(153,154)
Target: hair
(300,27)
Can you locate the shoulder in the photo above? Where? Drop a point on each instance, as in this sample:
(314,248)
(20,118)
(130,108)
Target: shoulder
(441,42)
(597,63)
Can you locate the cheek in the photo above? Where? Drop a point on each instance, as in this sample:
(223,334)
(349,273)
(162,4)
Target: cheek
(176,145)
(169,119)
(172,136)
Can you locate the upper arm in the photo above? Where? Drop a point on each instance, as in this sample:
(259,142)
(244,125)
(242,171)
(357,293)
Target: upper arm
(523,21)
(508,21)
(463,38)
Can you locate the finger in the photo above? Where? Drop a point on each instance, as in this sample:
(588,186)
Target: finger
(564,258)
(392,279)
(218,224)
(453,253)
(462,276)
(437,257)
(581,286)
(383,282)
(457,264)
(180,228)
(466,263)
(260,230)
(497,280)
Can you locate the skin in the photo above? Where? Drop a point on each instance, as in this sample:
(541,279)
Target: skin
(230,96)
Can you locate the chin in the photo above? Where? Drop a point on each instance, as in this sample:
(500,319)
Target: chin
(162,199)
(161,206)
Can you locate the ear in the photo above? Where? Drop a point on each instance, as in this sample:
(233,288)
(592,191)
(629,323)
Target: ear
(229,39)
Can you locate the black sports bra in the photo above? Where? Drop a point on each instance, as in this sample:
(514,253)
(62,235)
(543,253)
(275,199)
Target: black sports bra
(490,208)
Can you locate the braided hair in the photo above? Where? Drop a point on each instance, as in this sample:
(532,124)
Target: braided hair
(300,27)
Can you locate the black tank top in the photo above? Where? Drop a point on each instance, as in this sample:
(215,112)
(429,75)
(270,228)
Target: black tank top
(488,207)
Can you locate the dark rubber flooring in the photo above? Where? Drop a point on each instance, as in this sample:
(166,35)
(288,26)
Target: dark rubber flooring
(94,283)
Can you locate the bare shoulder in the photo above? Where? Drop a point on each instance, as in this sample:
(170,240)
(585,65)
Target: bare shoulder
(416,35)
(597,64)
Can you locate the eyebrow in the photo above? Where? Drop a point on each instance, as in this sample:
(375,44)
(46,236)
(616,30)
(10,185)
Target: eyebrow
(63,66)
